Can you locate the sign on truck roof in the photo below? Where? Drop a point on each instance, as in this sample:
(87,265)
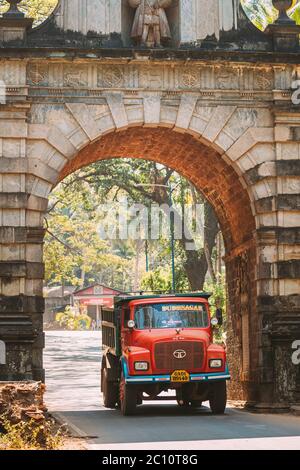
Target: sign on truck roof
(129,298)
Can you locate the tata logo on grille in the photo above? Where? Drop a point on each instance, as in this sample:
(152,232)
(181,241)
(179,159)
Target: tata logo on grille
(179,354)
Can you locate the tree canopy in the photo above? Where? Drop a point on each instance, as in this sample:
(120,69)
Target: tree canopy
(76,254)
(262,12)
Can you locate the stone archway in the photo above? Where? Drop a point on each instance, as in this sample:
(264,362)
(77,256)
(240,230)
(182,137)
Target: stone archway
(220,185)
(202,165)
(242,154)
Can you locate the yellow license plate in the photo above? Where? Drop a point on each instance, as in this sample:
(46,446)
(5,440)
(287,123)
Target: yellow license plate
(180,376)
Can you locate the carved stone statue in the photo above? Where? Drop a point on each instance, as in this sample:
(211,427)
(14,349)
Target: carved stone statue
(150,24)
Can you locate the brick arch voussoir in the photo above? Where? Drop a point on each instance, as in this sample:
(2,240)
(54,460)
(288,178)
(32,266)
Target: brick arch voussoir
(202,165)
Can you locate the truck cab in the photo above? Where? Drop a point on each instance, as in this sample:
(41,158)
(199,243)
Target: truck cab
(154,344)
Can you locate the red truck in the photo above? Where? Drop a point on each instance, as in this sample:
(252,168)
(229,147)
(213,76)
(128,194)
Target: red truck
(156,343)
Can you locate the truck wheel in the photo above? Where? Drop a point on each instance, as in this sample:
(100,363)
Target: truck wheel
(128,398)
(218,398)
(109,390)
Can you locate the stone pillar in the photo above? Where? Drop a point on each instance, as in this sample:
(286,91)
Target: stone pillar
(21,236)
(278,263)
(242,328)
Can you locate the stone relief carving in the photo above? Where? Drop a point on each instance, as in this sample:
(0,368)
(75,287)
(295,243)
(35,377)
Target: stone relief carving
(116,75)
(227,79)
(263,80)
(189,78)
(110,77)
(150,25)
(151,77)
(74,77)
(37,74)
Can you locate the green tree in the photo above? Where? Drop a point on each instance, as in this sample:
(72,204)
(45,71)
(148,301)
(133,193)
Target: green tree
(262,12)
(74,253)
(72,320)
(148,182)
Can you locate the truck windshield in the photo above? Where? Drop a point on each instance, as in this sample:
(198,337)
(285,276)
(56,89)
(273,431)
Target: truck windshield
(174,315)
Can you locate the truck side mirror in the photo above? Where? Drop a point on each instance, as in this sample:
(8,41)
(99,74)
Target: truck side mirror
(131,324)
(219,316)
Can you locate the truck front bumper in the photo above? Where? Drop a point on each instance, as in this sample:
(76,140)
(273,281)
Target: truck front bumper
(143,379)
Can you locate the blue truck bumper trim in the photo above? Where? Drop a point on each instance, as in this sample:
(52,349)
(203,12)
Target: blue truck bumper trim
(167,378)
(140,379)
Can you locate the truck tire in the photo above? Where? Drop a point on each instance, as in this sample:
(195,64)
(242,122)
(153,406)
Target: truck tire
(128,398)
(218,397)
(109,390)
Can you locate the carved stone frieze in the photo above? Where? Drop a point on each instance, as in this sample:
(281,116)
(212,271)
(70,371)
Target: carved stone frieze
(190,78)
(75,76)
(110,76)
(37,74)
(239,79)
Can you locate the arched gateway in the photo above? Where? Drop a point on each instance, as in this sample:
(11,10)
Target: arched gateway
(214,103)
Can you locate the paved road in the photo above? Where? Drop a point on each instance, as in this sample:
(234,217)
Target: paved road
(72,363)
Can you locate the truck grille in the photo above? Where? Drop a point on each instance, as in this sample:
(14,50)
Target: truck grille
(165,361)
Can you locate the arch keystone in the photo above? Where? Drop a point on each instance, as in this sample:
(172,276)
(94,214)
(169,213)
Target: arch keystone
(185,112)
(116,105)
(152,107)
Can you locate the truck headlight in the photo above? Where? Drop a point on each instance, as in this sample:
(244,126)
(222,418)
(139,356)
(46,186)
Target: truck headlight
(141,365)
(215,363)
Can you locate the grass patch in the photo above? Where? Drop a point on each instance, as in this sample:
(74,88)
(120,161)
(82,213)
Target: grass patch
(29,435)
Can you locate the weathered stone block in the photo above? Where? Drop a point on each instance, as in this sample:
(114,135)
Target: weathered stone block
(21,304)
(21,269)
(289,269)
(279,304)
(283,134)
(289,235)
(288,202)
(288,168)
(13,129)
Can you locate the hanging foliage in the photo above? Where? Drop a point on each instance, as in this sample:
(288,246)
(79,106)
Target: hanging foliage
(262,12)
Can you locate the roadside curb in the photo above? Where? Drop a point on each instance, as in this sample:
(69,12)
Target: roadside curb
(74,430)
(295,410)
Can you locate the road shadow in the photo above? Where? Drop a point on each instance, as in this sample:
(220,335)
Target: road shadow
(168,422)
